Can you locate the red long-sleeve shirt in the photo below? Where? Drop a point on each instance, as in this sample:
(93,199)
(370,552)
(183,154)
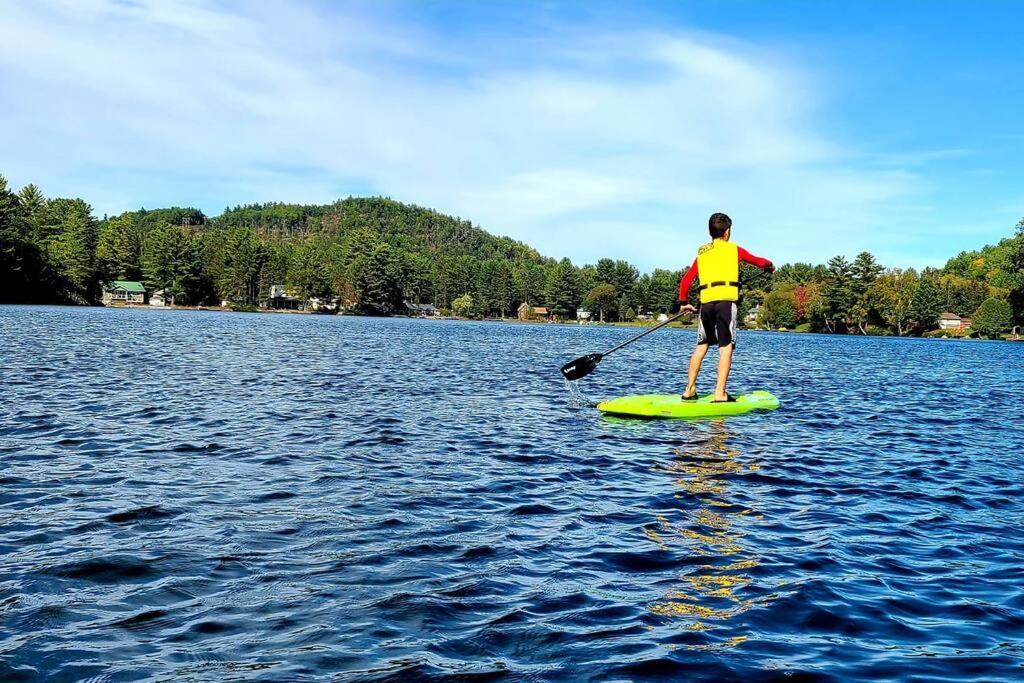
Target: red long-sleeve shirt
(742,255)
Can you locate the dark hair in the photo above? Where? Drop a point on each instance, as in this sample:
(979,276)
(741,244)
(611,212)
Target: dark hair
(718,224)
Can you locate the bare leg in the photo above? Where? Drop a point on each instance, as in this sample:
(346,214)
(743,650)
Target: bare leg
(724,365)
(696,359)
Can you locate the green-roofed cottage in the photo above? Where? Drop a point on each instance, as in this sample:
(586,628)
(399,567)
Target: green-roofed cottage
(123,292)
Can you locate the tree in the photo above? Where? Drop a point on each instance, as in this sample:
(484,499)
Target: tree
(864,271)
(1015,260)
(378,290)
(839,296)
(800,273)
(993,317)
(563,294)
(503,288)
(779,309)
(961,295)
(309,271)
(463,306)
(119,249)
(892,296)
(19,256)
(603,299)
(926,305)
(528,281)
(664,290)
(243,258)
(625,278)
(70,246)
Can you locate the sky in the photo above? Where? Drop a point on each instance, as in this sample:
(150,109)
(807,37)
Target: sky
(585,129)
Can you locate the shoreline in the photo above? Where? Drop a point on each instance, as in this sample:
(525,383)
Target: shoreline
(514,321)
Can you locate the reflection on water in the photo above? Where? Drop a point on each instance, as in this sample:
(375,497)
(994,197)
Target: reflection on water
(712,592)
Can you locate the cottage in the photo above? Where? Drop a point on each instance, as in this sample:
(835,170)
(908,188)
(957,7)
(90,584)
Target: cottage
(951,321)
(160,298)
(325,305)
(528,312)
(751,317)
(421,310)
(122,292)
(280,300)
(582,315)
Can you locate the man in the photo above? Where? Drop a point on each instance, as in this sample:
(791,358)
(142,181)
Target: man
(718,267)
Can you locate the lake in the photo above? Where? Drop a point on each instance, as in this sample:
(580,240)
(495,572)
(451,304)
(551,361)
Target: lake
(211,496)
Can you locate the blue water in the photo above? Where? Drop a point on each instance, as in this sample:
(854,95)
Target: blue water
(208,496)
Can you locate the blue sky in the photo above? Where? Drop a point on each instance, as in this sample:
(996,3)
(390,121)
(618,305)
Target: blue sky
(586,129)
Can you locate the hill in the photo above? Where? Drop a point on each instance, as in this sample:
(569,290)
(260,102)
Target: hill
(375,254)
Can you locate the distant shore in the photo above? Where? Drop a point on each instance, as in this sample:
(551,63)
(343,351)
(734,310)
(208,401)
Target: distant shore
(513,321)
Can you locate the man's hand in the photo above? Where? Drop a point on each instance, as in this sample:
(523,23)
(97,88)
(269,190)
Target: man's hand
(688,308)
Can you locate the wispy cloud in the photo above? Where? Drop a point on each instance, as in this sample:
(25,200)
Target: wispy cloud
(592,143)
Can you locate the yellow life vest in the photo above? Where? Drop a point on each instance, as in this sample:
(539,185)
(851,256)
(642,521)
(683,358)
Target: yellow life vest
(718,268)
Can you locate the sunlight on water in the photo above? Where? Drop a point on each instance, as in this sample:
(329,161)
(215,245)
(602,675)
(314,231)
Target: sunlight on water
(712,593)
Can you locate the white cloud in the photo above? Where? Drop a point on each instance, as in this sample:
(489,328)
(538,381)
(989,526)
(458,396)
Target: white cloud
(606,144)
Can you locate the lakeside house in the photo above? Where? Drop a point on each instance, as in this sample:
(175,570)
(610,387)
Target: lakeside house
(582,315)
(750,319)
(280,300)
(422,310)
(159,298)
(325,305)
(951,321)
(123,292)
(526,312)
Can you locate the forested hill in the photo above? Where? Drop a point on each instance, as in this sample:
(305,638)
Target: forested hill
(375,254)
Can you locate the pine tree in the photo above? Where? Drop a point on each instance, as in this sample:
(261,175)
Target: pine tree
(926,306)
(309,271)
(19,257)
(839,296)
(378,289)
(70,246)
(563,295)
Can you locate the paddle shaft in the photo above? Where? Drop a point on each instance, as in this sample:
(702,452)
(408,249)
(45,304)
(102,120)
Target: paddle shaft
(645,333)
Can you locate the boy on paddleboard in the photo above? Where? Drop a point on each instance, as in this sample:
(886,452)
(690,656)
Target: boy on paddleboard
(718,267)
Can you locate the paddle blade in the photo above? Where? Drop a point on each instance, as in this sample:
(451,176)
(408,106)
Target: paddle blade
(581,367)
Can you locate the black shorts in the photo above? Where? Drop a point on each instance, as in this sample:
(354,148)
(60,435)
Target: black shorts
(717,324)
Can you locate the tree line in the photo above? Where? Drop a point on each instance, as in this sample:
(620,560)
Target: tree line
(862,297)
(376,254)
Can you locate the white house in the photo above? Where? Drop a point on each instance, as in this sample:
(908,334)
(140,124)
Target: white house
(951,321)
(158,298)
(751,317)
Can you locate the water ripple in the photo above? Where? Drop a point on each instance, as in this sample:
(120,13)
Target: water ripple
(204,496)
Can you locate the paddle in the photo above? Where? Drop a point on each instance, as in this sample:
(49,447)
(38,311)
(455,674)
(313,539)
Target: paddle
(584,365)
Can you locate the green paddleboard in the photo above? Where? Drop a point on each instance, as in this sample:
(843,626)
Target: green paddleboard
(672,406)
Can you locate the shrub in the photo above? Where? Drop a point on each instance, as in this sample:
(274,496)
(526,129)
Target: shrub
(993,317)
(463,306)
